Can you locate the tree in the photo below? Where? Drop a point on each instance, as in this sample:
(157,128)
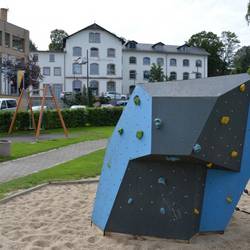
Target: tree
(242,59)
(231,44)
(214,46)
(56,37)
(156,74)
(32,46)
(248,13)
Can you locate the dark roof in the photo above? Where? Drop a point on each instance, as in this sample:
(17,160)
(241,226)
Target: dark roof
(156,44)
(205,87)
(94,26)
(171,49)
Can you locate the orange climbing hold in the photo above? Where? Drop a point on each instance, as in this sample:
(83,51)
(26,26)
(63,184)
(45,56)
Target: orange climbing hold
(225,120)
(210,165)
(196,211)
(243,87)
(234,154)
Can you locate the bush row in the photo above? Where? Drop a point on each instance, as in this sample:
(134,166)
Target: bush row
(72,118)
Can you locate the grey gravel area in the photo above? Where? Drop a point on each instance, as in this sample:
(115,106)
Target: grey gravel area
(24,166)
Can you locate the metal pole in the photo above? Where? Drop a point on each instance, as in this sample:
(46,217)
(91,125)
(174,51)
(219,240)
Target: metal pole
(88,77)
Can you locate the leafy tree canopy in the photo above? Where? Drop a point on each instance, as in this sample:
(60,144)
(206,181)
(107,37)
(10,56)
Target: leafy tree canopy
(33,46)
(248,13)
(56,37)
(156,73)
(242,59)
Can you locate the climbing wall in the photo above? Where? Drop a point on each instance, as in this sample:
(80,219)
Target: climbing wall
(178,159)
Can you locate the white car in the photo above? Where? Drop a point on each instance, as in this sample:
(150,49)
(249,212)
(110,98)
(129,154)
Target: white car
(114,95)
(7,104)
(38,108)
(77,107)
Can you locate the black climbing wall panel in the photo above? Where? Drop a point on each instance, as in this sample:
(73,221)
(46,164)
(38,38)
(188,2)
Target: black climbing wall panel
(217,140)
(159,198)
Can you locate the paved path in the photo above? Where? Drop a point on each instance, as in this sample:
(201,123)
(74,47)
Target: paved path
(24,166)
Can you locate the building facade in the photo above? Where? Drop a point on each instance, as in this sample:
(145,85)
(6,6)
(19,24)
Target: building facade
(105,62)
(14,46)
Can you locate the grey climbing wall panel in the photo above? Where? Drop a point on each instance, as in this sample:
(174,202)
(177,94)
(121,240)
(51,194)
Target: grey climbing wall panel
(159,198)
(219,140)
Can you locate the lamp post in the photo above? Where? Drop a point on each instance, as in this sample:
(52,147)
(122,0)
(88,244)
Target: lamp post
(82,62)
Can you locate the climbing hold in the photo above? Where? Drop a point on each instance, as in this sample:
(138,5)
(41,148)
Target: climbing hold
(162,181)
(158,122)
(234,154)
(229,199)
(172,158)
(120,131)
(197,148)
(242,87)
(162,211)
(139,134)
(210,165)
(196,211)
(225,120)
(130,201)
(137,100)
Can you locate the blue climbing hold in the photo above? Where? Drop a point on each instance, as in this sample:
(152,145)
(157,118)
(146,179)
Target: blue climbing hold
(162,211)
(162,181)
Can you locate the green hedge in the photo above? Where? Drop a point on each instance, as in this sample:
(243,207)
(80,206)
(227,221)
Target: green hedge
(72,118)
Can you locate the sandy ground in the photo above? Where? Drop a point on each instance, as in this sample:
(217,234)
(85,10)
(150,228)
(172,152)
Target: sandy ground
(58,217)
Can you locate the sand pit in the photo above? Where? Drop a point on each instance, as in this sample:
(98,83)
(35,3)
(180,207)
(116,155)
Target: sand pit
(58,217)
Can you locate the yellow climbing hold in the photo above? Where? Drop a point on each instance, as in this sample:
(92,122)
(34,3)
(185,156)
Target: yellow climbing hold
(196,211)
(234,154)
(210,165)
(225,120)
(229,199)
(243,87)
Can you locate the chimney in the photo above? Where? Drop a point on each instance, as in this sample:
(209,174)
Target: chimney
(4,14)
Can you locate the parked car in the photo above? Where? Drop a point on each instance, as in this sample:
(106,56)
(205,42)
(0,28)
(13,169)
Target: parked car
(65,94)
(107,106)
(7,104)
(121,103)
(38,108)
(114,95)
(77,107)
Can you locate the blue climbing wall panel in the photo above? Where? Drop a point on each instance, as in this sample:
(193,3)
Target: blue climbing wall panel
(223,190)
(122,148)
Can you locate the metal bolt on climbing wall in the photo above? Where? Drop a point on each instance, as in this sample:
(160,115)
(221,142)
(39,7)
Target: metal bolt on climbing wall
(158,122)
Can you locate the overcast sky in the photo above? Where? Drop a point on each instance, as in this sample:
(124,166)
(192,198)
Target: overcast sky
(169,21)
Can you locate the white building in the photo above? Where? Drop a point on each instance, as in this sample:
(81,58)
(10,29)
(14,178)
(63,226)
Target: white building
(114,65)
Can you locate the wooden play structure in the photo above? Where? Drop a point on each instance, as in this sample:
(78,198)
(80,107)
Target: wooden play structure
(28,97)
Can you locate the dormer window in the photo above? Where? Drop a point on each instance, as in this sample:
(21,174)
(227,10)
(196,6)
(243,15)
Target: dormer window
(94,37)
(158,46)
(131,44)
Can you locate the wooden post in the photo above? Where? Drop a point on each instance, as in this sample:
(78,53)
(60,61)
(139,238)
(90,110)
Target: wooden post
(59,112)
(15,114)
(31,111)
(41,112)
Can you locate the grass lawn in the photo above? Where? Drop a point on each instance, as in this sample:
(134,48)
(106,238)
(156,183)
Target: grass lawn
(21,149)
(82,167)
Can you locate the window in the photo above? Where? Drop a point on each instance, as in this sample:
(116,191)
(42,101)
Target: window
(111,69)
(94,87)
(94,37)
(35,57)
(173,62)
(111,86)
(131,44)
(18,43)
(94,69)
(11,103)
(77,51)
(94,52)
(198,75)
(111,52)
(173,76)
(198,63)
(132,60)
(4,105)
(185,76)
(146,74)
(132,74)
(7,40)
(185,62)
(46,71)
(57,71)
(160,61)
(76,86)
(146,61)
(51,57)
(76,69)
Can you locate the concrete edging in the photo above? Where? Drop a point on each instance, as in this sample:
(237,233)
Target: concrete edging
(29,190)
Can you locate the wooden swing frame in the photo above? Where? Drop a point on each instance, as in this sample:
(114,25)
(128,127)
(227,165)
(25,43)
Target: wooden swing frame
(29,100)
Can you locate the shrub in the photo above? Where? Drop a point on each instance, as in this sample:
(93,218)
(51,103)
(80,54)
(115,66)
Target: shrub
(72,118)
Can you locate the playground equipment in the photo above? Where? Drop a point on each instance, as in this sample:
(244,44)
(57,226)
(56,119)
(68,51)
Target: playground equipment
(178,160)
(37,128)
